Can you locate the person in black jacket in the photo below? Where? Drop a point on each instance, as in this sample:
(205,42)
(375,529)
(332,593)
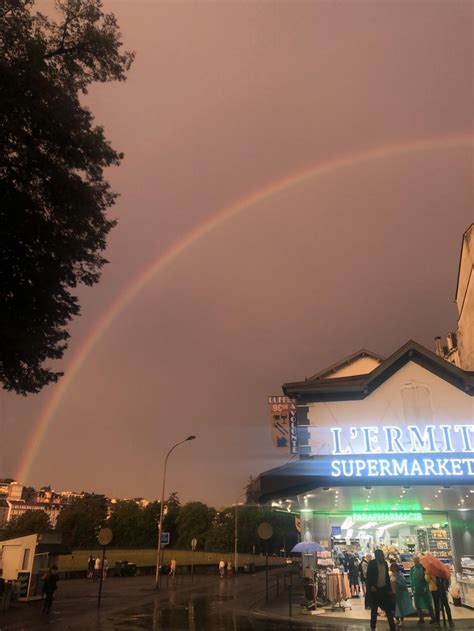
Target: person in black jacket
(364,564)
(50,585)
(380,590)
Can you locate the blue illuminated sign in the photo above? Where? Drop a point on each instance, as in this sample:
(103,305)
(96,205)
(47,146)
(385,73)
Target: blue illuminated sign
(293,429)
(433,451)
(389,439)
(402,467)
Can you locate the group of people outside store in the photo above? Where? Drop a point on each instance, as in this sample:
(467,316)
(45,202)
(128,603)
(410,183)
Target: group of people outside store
(385,588)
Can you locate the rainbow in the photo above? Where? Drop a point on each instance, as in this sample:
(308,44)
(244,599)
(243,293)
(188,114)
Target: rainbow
(162,262)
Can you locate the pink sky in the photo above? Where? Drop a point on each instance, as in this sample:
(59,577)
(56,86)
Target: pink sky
(223,99)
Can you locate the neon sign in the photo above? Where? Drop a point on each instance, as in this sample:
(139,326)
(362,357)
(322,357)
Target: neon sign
(389,439)
(405,467)
(391,516)
(405,452)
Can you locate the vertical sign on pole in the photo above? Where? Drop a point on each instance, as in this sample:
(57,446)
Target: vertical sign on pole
(293,427)
(283,423)
(265,532)
(104,538)
(193,548)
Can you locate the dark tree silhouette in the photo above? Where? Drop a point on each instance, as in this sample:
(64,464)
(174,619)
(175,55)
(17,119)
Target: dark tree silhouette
(53,195)
(30,523)
(80,521)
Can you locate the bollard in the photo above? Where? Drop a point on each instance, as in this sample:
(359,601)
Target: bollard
(289,600)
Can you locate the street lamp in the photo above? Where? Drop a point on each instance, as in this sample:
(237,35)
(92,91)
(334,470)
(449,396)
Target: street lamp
(160,527)
(236,554)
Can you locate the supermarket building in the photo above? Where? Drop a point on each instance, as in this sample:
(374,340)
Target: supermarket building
(385,457)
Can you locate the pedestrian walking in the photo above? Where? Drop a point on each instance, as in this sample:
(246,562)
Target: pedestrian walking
(439,591)
(97,568)
(378,584)
(363,578)
(354,573)
(403,603)
(229,569)
(105,569)
(421,591)
(222,568)
(173,568)
(50,585)
(90,567)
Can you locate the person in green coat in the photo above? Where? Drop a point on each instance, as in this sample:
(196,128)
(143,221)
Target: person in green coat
(403,604)
(421,591)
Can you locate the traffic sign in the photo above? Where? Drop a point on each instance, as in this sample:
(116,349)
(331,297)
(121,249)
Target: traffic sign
(265,530)
(165,538)
(105,536)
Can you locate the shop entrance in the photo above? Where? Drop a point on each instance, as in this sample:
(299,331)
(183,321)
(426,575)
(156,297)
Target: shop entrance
(353,521)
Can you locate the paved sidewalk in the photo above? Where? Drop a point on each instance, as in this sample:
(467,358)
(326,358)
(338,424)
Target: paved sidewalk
(358,618)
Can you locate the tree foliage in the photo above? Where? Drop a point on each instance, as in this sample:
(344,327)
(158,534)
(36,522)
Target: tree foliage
(29,523)
(194,521)
(80,521)
(53,195)
(134,526)
(126,523)
(220,536)
(170,520)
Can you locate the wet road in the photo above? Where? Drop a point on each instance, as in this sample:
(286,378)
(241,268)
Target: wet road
(208,604)
(218,609)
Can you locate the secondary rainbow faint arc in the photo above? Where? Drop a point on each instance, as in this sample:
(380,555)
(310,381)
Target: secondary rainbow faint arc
(159,264)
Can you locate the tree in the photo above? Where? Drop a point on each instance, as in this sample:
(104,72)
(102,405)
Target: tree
(53,195)
(150,519)
(170,519)
(81,520)
(285,535)
(194,520)
(136,527)
(30,523)
(220,537)
(248,519)
(126,523)
(250,491)
(28,493)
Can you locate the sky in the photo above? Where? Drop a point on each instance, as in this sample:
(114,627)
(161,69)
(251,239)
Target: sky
(231,101)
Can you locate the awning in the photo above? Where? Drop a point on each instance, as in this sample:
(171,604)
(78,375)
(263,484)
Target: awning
(304,475)
(56,549)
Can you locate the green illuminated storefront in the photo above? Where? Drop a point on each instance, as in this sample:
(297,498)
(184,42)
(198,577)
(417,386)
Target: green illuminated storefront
(385,458)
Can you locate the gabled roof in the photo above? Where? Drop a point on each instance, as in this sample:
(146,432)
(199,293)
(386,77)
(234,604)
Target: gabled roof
(360,386)
(346,362)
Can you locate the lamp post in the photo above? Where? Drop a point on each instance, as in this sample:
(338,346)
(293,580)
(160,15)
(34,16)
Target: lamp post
(160,527)
(236,538)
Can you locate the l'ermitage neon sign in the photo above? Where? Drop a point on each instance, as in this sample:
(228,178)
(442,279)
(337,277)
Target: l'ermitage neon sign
(427,451)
